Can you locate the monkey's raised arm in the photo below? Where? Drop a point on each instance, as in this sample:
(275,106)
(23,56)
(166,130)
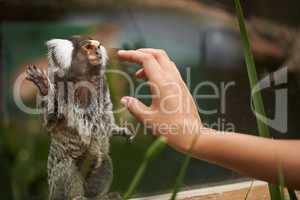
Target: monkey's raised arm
(110,119)
(39,78)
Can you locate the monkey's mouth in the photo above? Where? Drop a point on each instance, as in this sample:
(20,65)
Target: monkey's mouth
(96,55)
(95,59)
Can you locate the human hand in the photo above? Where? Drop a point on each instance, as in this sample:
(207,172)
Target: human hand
(173,110)
(173,115)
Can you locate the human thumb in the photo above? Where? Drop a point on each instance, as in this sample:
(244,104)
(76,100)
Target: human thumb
(136,107)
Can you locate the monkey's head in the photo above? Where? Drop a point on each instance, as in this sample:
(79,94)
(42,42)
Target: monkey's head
(77,57)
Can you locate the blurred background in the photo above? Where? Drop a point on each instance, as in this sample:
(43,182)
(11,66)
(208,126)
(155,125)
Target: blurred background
(200,36)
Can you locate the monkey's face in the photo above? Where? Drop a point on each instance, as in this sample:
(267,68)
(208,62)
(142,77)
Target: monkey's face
(89,57)
(79,56)
(93,52)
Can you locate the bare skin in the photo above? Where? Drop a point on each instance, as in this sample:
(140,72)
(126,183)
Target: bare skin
(173,106)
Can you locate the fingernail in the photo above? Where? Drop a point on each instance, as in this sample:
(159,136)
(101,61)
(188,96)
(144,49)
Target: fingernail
(124,101)
(121,51)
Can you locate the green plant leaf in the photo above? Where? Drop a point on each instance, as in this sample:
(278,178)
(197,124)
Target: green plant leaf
(153,151)
(183,169)
(180,176)
(276,192)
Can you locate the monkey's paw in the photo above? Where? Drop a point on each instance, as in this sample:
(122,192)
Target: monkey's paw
(112,196)
(38,77)
(109,196)
(129,134)
(125,132)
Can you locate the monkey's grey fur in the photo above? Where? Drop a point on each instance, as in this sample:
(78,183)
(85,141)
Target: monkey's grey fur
(80,121)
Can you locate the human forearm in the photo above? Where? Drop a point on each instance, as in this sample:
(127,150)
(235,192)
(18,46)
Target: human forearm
(250,155)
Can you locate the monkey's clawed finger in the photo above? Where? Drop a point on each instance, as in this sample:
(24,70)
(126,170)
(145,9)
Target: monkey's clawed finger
(32,72)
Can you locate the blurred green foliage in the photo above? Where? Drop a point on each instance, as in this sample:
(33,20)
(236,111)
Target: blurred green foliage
(22,170)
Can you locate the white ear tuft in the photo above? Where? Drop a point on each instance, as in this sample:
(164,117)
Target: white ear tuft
(60,52)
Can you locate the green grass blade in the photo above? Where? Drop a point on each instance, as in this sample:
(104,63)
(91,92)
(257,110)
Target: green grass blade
(292,193)
(275,191)
(180,177)
(136,180)
(156,147)
(183,169)
(281,181)
(251,69)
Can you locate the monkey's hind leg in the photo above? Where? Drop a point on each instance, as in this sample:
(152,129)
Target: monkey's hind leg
(98,181)
(66,182)
(39,78)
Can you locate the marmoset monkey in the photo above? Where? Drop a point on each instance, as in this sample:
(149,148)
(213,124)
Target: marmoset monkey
(78,115)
